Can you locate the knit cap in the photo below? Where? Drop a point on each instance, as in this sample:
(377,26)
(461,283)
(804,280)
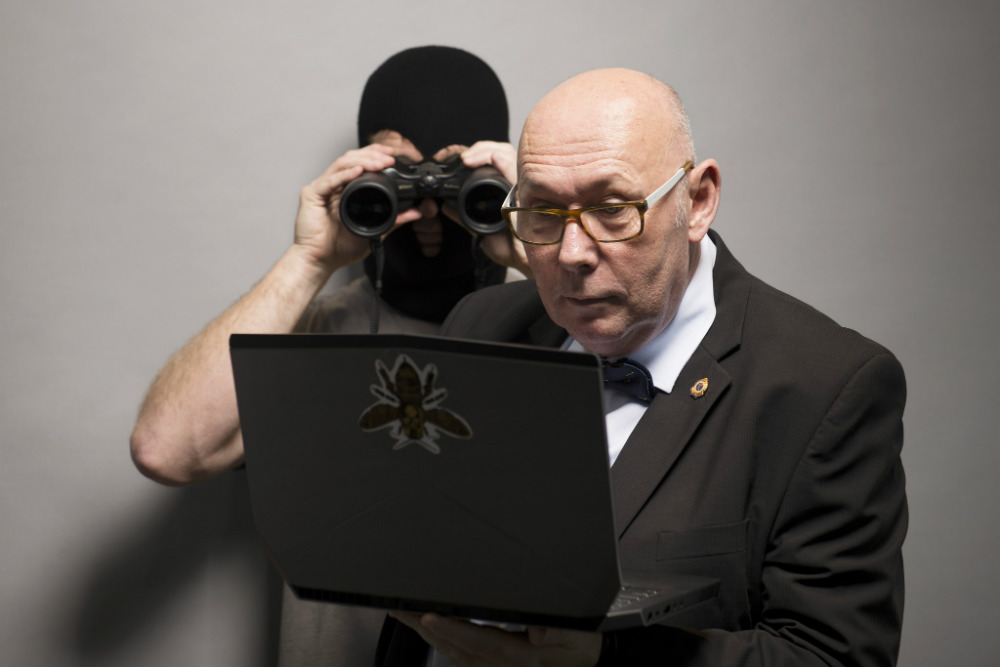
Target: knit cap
(434,96)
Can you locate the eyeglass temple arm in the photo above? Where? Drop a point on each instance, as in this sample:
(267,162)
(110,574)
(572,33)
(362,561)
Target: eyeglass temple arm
(510,197)
(668,186)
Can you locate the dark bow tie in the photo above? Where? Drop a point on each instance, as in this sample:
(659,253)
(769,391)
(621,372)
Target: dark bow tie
(629,376)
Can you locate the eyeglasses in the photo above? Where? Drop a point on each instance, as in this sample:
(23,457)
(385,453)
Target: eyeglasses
(607,223)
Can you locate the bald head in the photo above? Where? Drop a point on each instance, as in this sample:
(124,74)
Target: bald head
(613,104)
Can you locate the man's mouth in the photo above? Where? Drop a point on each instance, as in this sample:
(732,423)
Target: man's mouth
(580,300)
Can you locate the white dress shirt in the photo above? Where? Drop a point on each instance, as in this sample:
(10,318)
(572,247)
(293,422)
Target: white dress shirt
(666,354)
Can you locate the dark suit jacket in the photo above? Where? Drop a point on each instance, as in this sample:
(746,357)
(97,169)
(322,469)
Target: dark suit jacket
(783,480)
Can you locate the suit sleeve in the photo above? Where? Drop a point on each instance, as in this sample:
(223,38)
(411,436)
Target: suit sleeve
(832,576)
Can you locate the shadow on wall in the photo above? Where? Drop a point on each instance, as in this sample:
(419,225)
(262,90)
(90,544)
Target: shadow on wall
(142,578)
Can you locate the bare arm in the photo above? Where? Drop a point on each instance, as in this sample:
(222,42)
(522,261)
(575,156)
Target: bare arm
(188,426)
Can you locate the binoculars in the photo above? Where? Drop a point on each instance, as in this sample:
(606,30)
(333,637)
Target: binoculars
(370,203)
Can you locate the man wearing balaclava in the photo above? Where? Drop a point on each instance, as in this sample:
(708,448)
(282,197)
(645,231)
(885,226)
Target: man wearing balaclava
(435,97)
(426,102)
(423,103)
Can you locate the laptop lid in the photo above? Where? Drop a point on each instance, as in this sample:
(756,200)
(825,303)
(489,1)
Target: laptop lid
(431,474)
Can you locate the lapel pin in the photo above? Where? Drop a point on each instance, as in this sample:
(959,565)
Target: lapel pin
(699,388)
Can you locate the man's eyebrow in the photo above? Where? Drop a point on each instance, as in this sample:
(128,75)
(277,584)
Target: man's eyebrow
(600,187)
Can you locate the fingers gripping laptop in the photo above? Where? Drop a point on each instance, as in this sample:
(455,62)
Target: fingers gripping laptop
(430,474)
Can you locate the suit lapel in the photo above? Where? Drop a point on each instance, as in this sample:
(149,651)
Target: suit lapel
(662,434)
(672,419)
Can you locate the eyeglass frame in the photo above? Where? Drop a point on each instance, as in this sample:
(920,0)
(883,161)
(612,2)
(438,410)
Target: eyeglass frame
(640,205)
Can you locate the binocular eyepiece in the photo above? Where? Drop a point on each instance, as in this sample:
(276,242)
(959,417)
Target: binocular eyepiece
(370,203)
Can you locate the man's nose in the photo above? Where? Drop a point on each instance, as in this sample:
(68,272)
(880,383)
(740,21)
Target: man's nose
(428,207)
(577,250)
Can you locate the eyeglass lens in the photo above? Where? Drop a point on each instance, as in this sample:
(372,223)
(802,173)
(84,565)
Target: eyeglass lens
(607,223)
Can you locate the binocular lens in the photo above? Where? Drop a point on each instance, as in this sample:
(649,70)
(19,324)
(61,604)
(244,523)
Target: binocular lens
(369,208)
(483,202)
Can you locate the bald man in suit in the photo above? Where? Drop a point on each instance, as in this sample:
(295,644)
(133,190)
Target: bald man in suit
(768,453)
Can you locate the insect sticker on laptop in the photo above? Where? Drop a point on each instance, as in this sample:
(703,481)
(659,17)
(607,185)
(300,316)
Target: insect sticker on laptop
(410,406)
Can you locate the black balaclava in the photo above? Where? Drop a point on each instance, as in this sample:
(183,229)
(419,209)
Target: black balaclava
(434,96)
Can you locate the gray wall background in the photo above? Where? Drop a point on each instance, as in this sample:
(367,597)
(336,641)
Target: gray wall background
(150,160)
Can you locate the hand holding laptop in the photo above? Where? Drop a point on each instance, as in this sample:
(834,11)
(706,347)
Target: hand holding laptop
(463,642)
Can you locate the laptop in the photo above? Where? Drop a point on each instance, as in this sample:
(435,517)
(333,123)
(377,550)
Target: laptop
(422,473)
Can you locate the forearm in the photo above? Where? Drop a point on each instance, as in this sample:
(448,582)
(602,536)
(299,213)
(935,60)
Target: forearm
(188,425)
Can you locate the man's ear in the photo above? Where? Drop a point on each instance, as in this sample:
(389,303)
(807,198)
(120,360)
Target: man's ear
(704,187)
